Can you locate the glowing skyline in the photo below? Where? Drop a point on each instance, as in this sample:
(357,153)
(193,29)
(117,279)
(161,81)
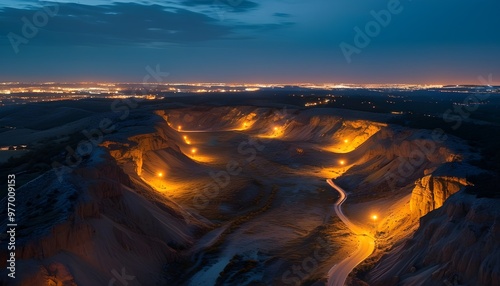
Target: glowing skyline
(418,42)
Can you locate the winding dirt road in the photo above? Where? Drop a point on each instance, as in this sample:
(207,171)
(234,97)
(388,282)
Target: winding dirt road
(339,272)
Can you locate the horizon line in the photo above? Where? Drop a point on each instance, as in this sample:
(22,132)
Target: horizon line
(246,84)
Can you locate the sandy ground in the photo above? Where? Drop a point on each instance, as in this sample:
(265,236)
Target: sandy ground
(280,198)
(295,169)
(301,201)
(257,177)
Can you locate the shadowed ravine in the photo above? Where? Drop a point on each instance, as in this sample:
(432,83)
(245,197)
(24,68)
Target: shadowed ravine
(235,196)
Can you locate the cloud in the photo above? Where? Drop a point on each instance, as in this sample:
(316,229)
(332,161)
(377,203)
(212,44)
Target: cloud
(281,15)
(124,23)
(231,5)
(132,24)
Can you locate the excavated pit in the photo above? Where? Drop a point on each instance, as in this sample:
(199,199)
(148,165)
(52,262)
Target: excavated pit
(213,195)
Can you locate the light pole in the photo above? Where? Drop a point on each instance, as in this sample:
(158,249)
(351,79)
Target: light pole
(374,219)
(193,152)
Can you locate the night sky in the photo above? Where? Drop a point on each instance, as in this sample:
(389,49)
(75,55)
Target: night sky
(272,41)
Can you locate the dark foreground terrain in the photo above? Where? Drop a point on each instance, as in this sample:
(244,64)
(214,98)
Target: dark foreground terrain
(230,189)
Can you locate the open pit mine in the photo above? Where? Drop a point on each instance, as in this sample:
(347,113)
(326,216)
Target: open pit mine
(254,195)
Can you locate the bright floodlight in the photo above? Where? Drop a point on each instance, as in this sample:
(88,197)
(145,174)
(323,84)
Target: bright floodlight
(185,137)
(193,151)
(342,162)
(160,174)
(275,128)
(346,141)
(179,127)
(374,217)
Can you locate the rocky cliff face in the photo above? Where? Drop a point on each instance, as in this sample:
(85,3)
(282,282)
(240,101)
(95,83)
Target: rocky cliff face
(133,151)
(456,244)
(93,225)
(431,192)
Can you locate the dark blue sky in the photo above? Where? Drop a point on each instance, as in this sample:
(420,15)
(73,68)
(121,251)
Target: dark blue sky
(282,41)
